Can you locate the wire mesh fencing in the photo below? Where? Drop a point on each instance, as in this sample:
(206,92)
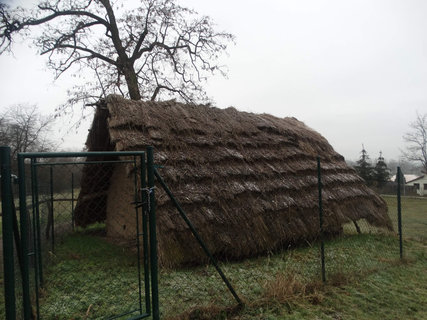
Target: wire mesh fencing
(80,225)
(87,256)
(413,217)
(58,187)
(70,266)
(362,248)
(357,251)
(358,248)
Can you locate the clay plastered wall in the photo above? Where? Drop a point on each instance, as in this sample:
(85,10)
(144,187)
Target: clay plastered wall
(121,220)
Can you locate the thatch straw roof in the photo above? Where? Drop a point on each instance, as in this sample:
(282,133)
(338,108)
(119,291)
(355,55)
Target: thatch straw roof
(247,181)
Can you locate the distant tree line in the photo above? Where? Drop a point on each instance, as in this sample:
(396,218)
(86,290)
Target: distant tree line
(415,153)
(378,174)
(24,129)
(374,175)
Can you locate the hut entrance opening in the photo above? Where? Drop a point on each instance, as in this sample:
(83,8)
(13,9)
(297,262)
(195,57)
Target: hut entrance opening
(57,233)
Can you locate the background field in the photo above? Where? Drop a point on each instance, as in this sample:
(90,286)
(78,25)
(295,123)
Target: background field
(414,216)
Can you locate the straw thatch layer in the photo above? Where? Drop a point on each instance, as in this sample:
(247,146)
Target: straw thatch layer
(247,181)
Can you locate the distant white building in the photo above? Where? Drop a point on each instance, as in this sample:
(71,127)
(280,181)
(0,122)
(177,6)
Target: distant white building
(420,184)
(408,177)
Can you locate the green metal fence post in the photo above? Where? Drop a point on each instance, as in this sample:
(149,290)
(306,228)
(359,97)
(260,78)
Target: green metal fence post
(8,260)
(36,221)
(38,273)
(143,177)
(72,200)
(322,240)
(52,209)
(138,232)
(24,238)
(399,212)
(153,237)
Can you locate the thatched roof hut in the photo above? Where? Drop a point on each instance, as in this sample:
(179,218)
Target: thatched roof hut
(247,181)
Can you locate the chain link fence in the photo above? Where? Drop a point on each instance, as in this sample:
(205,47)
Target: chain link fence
(68,257)
(353,252)
(87,230)
(362,248)
(86,265)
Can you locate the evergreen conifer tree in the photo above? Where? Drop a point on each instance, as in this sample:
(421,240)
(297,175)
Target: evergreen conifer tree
(364,168)
(381,172)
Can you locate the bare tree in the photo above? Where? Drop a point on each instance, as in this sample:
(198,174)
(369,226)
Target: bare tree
(156,49)
(24,129)
(416,150)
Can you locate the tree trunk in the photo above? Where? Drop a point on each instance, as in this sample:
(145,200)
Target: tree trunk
(131,81)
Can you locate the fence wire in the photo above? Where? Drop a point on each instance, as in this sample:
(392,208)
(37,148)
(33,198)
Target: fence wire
(72,215)
(89,258)
(358,249)
(75,270)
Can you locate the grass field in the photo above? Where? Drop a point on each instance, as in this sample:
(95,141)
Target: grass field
(90,278)
(414,216)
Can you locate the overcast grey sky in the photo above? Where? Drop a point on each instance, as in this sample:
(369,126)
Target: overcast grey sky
(353,70)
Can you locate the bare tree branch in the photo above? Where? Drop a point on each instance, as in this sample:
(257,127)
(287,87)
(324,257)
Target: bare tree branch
(156,50)
(416,150)
(24,129)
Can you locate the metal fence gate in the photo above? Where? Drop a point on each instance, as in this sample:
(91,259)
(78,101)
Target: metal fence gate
(49,195)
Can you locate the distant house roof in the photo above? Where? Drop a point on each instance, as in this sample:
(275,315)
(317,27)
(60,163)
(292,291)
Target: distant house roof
(416,178)
(408,177)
